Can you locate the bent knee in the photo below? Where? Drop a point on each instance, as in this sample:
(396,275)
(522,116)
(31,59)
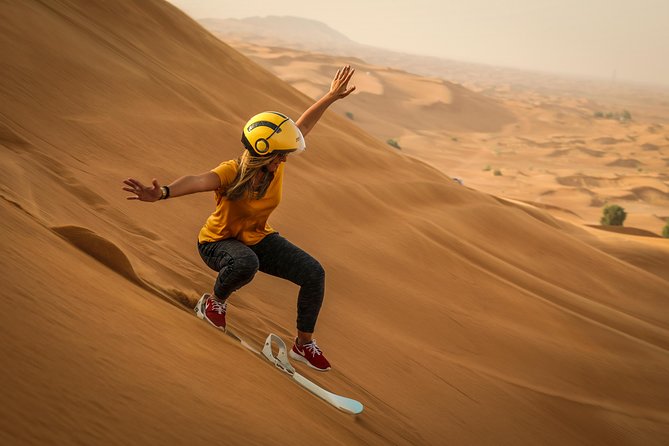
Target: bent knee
(315,272)
(245,265)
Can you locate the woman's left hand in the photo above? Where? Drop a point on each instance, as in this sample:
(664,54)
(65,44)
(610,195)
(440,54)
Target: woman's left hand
(339,87)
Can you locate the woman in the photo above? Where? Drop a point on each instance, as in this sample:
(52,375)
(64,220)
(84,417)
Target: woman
(236,240)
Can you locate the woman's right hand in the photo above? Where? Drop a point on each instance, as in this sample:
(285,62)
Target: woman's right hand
(143,193)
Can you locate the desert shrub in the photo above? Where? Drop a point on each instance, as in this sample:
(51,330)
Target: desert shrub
(665,230)
(613,215)
(393,143)
(349,115)
(497,173)
(487,168)
(623,116)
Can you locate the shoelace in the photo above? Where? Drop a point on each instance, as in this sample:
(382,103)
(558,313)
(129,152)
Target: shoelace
(313,348)
(218,307)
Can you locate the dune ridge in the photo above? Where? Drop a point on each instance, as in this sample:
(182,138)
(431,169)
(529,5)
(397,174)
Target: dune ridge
(506,132)
(447,309)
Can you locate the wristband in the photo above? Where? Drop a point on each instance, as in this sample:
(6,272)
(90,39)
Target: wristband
(165,190)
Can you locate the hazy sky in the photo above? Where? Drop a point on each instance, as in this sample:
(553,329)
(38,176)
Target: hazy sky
(603,38)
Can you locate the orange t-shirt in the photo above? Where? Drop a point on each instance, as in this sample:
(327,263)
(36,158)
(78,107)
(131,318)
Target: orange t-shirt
(244,219)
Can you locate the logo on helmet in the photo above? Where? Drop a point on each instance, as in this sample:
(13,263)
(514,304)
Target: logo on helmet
(270,132)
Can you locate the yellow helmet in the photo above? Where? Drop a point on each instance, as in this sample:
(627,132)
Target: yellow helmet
(272,132)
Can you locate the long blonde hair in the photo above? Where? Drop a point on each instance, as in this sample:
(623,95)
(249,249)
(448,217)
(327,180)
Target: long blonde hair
(249,166)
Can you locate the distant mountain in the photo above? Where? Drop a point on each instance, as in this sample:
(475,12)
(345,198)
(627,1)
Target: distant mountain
(314,36)
(293,32)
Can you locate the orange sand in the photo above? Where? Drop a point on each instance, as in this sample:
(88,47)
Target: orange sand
(543,139)
(456,317)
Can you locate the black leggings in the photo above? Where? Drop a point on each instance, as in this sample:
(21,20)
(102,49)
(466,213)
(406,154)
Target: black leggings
(237,263)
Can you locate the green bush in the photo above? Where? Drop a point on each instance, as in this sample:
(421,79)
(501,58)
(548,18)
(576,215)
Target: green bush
(623,116)
(665,231)
(614,215)
(349,115)
(393,143)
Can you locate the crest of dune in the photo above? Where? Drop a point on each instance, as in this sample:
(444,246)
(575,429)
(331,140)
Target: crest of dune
(453,316)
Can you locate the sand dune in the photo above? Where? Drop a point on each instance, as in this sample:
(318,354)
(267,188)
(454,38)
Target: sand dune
(652,195)
(527,128)
(409,101)
(455,316)
(578,150)
(629,162)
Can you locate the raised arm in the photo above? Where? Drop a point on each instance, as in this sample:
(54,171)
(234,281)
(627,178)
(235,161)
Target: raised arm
(339,89)
(186,185)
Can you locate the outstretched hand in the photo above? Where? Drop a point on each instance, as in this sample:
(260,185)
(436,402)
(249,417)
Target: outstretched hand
(143,193)
(339,87)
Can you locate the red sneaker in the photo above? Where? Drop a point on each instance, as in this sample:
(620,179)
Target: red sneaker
(212,311)
(311,355)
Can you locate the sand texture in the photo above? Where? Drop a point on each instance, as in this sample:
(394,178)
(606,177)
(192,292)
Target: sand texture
(539,139)
(455,314)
